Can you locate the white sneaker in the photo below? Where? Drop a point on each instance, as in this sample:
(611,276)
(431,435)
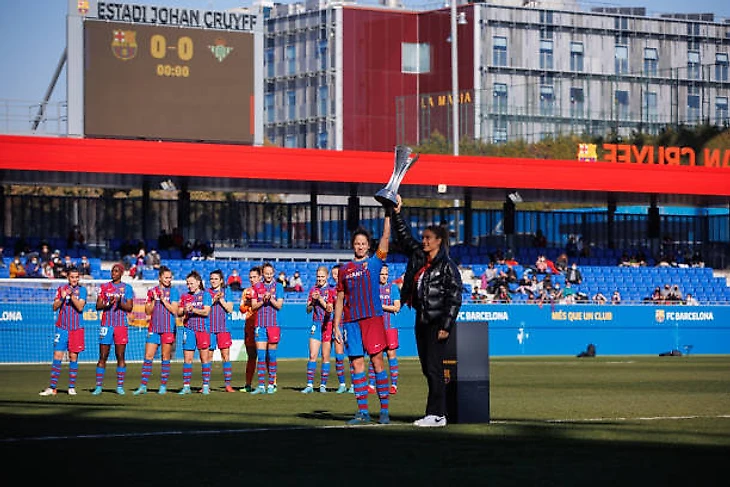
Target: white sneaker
(430,421)
(71,391)
(47,392)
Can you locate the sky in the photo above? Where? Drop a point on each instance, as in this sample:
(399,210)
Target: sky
(33,35)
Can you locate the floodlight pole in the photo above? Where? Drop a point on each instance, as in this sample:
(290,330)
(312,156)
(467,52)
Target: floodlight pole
(454,80)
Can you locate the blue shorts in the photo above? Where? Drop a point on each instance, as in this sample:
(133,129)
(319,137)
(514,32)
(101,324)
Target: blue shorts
(221,339)
(158,338)
(68,341)
(193,340)
(113,335)
(353,339)
(261,334)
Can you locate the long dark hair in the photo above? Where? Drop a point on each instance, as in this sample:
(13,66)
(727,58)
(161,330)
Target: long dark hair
(441,233)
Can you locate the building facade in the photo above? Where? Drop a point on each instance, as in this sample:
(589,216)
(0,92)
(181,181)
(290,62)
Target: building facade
(353,77)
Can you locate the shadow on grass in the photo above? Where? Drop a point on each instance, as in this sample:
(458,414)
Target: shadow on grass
(262,446)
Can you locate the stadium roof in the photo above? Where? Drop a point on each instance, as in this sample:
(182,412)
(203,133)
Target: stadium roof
(126,164)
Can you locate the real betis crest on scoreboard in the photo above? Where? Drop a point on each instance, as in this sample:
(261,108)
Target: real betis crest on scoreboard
(164,73)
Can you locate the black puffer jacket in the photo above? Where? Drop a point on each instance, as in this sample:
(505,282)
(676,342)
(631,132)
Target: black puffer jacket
(439,300)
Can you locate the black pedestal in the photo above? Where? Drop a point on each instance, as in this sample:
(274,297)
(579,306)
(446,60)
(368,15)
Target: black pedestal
(466,371)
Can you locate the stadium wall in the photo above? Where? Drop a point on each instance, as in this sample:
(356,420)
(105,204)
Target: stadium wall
(26,331)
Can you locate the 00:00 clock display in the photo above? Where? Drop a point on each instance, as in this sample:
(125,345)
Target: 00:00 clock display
(173,71)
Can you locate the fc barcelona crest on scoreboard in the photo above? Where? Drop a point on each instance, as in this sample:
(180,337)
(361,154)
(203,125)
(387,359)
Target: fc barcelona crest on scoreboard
(82,7)
(124,44)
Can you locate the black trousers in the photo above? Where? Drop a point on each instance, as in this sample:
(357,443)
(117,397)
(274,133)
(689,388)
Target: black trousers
(431,352)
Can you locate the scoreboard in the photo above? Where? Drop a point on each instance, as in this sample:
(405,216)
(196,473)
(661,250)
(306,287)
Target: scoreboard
(161,82)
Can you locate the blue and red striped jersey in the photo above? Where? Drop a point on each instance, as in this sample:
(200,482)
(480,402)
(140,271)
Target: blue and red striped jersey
(69,318)
(266,315)
(388,294)
(319,313)
(359,280)
(218,316)
(161,320)
(199,300)
(115,316)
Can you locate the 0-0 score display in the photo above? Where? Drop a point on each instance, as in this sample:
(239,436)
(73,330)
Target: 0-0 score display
(167,83)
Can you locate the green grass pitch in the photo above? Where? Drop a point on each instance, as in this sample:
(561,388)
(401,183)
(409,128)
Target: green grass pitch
(556,421)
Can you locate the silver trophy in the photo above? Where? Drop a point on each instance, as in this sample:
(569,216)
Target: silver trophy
(403,161)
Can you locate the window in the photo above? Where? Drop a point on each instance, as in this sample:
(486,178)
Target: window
(721,66)
(499,51)
(415,58)
(291,58)
(322,101)
(622,59)
(269,107)
(269,62)
(622,104)
(651,61)
(576,56)
(499,131)
(650,107)
(291,104)
(693,104)
(547,100)
(576,102)
(500,98)
(546,54)
(322,140)
(322,54)
(693,65)
(290,141)
(721,110)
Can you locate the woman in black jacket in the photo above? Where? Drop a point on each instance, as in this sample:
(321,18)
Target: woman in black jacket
(432,287)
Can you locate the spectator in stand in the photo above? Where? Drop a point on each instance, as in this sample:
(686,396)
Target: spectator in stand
(153,261)
(543,265)
(696,260)
(2,261)
(675,295)
(599,298)
(556,295)
(45,255)
(34,268)
(539,239)
(489,278)
(164,240)
(690,300)
(67,265)
(48,271)
(295,283)
(624,260)
(616,297)
(571,248)
(57,263)
(502,296)
(508,276)
(527,284)
(85,268)
(282,279)
(561,263)
(234,283)
(476,295)
(574,275)
(584,249)
(569,294)
(666,292)
(137,269)
(16,268)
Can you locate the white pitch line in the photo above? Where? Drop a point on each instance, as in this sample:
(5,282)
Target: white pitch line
(181,433)
(304,428)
